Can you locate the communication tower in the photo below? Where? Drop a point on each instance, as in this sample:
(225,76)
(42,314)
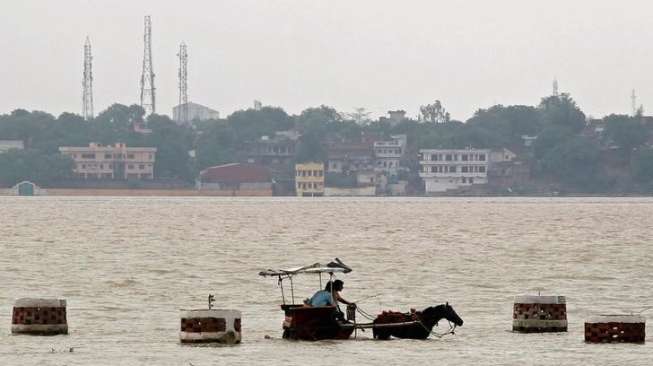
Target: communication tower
(87,82)
(556,93)
(183,83)
(148,91)
(633,99)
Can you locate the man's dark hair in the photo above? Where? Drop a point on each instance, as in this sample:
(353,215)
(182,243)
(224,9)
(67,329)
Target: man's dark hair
(337,285)
(327,288)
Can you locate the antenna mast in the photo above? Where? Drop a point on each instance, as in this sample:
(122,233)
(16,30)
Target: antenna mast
(633,98)
(87,82)
(183,83)
(148,91)
(556,93)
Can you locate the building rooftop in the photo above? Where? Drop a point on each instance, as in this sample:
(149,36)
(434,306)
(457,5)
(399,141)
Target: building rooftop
(236,173)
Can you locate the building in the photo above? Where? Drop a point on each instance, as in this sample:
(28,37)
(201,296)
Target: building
(445,169)
(388,154)
(24,188)
(6,145)
(349,157)
(236,179)
(279,149)
(194,112)
(309,179)
(528,140)
(112,162)
(501,156)
(394,117)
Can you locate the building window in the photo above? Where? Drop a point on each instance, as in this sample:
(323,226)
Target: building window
(433,169)
(107,156)
(481,169)
(471,180)
(101,166)
(464,170)
(481,157)
(452,169)
(464,180)
(88,156)
(130,156)
(130,166)
(448,157)
(141,167)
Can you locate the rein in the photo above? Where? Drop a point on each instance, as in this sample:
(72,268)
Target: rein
(451,329)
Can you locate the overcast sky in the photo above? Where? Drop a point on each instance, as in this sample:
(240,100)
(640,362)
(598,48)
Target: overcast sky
(376,54)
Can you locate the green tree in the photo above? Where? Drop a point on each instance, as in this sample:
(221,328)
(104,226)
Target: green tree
(626,132)
(643,166)
(310,149)
(550,138)
(561,111)
(173,142)
(32,165)
(216,145)
(248,125)
(319,121)
(509,123)
(575,163)
(434,113)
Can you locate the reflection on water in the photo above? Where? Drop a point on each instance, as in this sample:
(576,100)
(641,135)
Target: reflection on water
(127,265)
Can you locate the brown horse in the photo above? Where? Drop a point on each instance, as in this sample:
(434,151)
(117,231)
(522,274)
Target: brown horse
(414,325)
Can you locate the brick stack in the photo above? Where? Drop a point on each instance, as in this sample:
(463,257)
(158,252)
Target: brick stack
(210,326)
(39,317)
(615,329)
(539,314)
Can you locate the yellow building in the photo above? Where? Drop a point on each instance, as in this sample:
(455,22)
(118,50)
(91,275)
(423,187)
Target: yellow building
(97,161)
(309,179)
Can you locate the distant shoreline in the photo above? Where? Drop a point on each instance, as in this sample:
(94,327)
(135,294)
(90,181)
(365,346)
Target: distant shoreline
(135,192)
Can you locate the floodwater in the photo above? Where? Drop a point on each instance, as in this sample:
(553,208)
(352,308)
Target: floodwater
(127,265)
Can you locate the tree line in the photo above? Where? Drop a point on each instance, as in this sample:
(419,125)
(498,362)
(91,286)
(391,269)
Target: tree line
(568,154)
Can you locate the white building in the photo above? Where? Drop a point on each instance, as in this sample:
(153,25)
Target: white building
(501,156)
(6,145)
(388,154)
(97,161)
(195,112)
(444,169)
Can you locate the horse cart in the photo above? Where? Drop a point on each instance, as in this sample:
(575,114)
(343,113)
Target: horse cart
(305,322)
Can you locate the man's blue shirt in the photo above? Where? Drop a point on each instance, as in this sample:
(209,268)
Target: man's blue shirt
(322,298)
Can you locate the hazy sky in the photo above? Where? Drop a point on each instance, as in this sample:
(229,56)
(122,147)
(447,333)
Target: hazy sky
(375,54)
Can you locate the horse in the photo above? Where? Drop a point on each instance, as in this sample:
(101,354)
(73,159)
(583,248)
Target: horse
(413,325)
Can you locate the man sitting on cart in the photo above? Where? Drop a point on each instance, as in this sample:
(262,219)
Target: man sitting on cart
(326,297)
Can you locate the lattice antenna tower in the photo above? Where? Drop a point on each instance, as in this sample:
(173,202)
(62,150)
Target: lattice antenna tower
(87,82)
(148,91)
(556,92)
(183,83)
(633,99)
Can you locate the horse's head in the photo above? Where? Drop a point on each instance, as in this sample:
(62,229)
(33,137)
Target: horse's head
(434,313)
(451,315)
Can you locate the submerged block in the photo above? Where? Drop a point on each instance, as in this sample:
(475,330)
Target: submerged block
(615,329)
(539,314)
(210,326)
(39,317)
